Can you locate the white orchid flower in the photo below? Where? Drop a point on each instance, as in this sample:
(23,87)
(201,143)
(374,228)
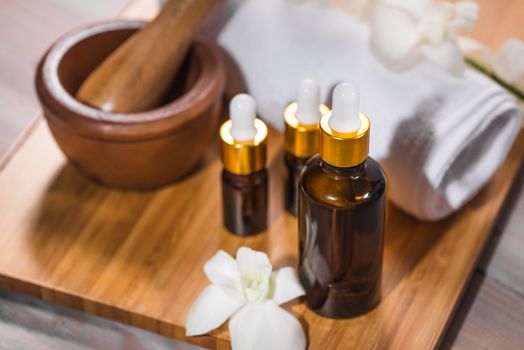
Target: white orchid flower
(405,31)
(360,9)
(249,292)
(508,62)
(506,66)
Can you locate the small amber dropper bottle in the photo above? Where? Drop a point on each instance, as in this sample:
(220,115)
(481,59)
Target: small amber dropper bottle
(301,136)
(342,204)
(245,177)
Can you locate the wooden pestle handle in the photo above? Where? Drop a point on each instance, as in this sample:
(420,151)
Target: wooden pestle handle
(137,75)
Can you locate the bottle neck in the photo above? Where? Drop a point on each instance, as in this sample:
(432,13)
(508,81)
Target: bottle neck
(353,171)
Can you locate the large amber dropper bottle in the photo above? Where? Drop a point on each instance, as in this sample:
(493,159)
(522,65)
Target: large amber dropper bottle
(342,204)
(245,177)
(301,136)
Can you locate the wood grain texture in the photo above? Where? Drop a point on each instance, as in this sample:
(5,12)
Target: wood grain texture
(506,263)
(125,255)
(499,20)
(493,320)
(27,28)
(27,323)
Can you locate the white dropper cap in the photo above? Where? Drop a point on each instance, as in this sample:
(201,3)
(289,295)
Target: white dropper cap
(308,100)
(242,112)
(345,116)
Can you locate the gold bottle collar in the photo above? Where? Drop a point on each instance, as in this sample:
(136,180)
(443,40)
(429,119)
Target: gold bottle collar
(344,150)
(301,140)
(244,157)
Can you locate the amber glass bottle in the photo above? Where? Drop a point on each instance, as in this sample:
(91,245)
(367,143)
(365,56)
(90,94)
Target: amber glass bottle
(245,202)
(301,138)
(245,177)
(342,218)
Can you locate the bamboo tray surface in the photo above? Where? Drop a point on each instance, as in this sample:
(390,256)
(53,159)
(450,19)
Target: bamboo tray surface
(137,257)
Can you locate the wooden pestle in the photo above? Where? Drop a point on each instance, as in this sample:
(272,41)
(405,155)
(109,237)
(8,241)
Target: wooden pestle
(137,75)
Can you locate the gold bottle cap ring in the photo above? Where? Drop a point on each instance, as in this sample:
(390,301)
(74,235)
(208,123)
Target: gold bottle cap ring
(344,150)
(244,157)
(301,140)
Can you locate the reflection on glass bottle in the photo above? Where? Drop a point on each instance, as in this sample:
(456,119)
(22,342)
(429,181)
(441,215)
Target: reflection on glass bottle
(294,166)
(342,208)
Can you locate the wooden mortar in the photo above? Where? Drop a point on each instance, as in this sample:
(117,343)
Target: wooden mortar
(130,150)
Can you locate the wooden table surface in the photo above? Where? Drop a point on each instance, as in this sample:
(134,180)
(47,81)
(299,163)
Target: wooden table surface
(490,316)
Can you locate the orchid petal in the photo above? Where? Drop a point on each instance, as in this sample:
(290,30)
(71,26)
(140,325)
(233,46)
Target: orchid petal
(509,61)
(393,37)
(286,285)
(468,45)
(476,50)
(360,9)
(250,260)
(222,269)
(414,7)
(433,25)
(466,14)
(446,55)
(212,308)
(262,326)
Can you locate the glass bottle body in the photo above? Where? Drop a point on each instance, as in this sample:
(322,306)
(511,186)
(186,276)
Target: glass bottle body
(341,236)
(294,166)
(244,199)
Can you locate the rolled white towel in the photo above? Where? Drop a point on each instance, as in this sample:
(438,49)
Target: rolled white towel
(439,138)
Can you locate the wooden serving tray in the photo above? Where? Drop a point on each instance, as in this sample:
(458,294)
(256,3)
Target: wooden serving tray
(137,257)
